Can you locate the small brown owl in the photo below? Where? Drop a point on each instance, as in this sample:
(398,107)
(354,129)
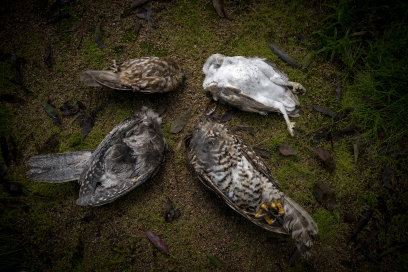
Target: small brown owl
(234,172)
(145,75)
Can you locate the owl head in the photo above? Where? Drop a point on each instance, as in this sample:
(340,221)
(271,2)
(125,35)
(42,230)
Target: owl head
(212,64)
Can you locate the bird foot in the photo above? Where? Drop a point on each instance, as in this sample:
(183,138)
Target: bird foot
(273,210)
(291,126)
(297,88)
(114,67)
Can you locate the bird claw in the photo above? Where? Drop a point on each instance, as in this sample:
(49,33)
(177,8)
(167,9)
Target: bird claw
(291,126)
(274,210)
(135,87)
(297,88)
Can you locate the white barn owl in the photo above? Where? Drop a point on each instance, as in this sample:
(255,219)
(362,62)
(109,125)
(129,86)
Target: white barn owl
(251,84)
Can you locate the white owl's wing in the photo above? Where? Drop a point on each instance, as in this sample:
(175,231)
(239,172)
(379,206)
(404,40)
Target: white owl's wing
(276,76)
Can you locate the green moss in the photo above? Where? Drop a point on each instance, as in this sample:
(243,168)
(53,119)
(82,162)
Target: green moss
(150,49)
(327,225)
(92,55)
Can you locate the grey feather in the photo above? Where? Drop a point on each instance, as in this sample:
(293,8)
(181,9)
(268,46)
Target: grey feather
(56,168)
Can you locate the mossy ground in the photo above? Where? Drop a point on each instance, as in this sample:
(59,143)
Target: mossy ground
(53,234)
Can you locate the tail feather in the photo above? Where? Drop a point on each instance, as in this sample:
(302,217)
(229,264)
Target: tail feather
(300,224)
(89,78)
(58,168)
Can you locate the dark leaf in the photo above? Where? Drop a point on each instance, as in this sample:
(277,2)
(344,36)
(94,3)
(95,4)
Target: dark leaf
(138,3)
(339,92)
(308,59)
(8,149)
(211,107)
(17,63)
(87,123)
(180,122)
(325,156)
(262,152)
(214,260)
(81,106)
(142,14)
(98,36)
(170,213)
(146,14)
(227,116)
(287,150)
(325,196)
(157,242)
(219,8)
(67,109)
(356,147)
(51,145)
(162,108)
(48,57)
(362,222)
(51,111)
(283,55)
(325,110)
(11,98)
(360,33)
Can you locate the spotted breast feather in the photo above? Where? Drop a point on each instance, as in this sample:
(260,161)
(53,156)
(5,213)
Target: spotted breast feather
(235,173)
(128,156)
(145,75)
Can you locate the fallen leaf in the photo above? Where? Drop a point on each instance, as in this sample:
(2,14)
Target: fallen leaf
(162,108)
(214,260)
(51,111)
(157,242)
(67,109)
(219,8)
(283,55)
(386,178)
(48,57)
(171,213)
(356,147)
(287,150)
(180,122)
(138,3)
(325,110)
(98,36)
(308,59)
(137,27)
(325,156)
(262,152)
(325,195)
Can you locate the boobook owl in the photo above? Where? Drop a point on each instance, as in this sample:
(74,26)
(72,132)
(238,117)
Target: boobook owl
(251,84)
(128,156)
(145,75)
(234,172)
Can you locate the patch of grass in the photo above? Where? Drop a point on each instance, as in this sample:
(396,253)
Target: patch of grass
(327,225)
(92,55)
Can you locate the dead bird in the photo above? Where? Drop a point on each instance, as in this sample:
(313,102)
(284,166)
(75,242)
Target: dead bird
(145,75)
(128,156)
(233,170)
(253,85)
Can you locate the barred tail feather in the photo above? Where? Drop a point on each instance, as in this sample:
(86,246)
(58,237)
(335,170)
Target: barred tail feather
(56,168)
(300,224)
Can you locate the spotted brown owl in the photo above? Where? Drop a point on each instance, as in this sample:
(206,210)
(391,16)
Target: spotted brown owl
(128,156)
(253,85)
(234,172)
(145,75)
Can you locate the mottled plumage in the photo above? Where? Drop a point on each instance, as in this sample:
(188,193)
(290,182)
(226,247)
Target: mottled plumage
(128,156)
(235,173)
(251,84)
(146,75)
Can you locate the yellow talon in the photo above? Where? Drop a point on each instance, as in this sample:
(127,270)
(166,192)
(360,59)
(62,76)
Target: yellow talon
(263,206)
(268,219)
(258,213)
(280,209)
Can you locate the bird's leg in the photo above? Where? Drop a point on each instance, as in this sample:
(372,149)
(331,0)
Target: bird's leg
(289,124)
(114,66)
(297,87)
